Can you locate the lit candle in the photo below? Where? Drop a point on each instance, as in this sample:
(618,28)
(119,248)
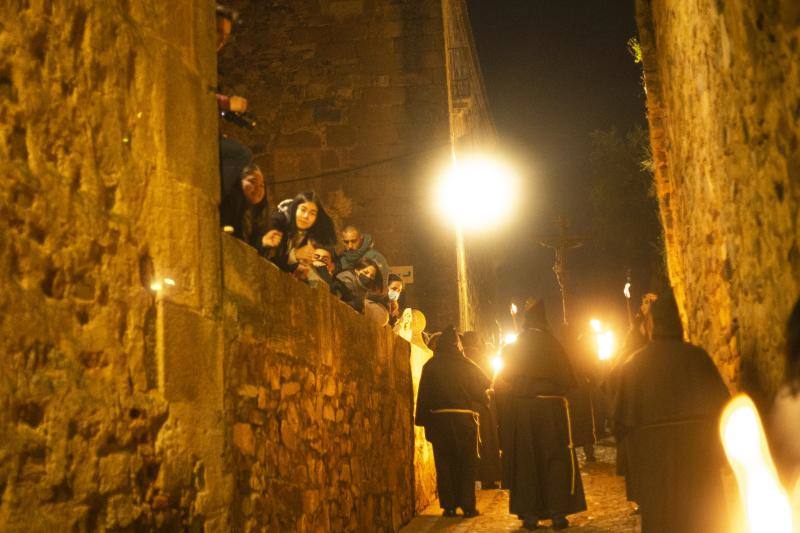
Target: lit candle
(766,504)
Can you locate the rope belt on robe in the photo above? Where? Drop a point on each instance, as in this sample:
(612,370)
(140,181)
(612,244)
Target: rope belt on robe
(679,422)
(569,435)
(475,416)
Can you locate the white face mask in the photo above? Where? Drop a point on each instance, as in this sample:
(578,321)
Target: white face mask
(394,295)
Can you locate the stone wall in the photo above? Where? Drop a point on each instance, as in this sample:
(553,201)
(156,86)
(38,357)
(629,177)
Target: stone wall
(319,406)
(108,165)
(120,407)
(352,98)
(722,82)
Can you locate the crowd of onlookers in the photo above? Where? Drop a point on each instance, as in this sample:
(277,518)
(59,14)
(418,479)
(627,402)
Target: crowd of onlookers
(298,235)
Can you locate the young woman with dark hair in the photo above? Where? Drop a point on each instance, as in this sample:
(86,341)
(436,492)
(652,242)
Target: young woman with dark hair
(299,225)
(243,208)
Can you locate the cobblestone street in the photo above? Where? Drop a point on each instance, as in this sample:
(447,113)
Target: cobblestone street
(608,511)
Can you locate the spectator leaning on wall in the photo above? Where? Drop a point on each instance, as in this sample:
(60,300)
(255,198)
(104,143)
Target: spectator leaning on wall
(356,247)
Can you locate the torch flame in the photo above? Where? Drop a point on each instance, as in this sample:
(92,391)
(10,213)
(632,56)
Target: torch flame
(606,345)
(765,502)
(627,291)
(497,364)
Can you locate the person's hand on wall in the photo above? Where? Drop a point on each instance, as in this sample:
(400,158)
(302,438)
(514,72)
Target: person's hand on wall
(272,238)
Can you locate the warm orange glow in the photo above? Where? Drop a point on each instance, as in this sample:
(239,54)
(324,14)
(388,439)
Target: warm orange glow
(627,291)
(477,192)
(497,364)
(510,338)
(513,309)
(605,339)
(766,504)
(606,345)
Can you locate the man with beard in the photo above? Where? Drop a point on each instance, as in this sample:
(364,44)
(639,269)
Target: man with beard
(451,388)
(542,468)
(668,405)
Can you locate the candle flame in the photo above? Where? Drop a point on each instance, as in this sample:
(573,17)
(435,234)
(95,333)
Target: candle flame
(606,345)
(627,291)
(156,286)
(513,309)
(497,364)
(766,504)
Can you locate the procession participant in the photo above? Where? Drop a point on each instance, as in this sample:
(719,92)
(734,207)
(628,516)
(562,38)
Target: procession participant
(542,468)
(638,336)
(785,415)
(668,405)
(451,388)
(489,469)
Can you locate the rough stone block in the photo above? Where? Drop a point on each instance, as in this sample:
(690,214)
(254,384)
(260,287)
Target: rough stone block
(244,439)
(114,472)
(189,355)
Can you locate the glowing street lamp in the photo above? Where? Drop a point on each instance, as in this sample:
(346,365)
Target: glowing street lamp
(475,192)
(766,504)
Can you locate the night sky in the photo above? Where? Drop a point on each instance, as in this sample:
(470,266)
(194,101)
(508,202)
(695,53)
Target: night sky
(554,71)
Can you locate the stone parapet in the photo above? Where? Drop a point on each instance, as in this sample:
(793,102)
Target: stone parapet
(319,407)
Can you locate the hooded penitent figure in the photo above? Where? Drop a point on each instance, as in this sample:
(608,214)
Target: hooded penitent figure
(451,388)
(667,410)
(489,470)
(540,463)
(785,415)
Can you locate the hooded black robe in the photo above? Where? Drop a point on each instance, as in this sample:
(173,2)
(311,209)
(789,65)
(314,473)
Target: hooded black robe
(451,381)
(667,410)
(540,465)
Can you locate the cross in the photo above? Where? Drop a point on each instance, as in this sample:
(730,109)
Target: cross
(560,244)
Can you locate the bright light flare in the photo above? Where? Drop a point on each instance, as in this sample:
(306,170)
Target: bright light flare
(627,291)
(477,192)
(497,364)
(169,281)
(514,309)
(606,345)
(510,338)
(156,286)
(605,339)
(766,503)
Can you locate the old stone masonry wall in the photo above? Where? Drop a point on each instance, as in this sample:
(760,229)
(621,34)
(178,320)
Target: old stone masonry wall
(722,84)
(102,189)
(319,405)
(232,397)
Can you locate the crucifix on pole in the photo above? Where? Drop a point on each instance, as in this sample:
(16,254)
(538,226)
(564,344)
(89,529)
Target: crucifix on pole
(560,244)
